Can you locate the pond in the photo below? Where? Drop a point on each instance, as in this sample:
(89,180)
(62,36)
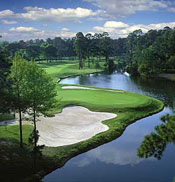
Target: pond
(118,160)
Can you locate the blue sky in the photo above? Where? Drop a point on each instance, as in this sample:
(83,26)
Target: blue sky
(30,19)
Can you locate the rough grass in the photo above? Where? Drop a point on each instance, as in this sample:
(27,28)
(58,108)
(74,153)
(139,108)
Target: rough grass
(12,132)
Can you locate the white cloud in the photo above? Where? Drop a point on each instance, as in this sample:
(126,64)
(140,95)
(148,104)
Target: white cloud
(7,22)
(120,8)
(115,24)
(27,33)
(58,15)
(52,14)
(6,13)
(65,32)
(24,29)
(120,31)
(65,29)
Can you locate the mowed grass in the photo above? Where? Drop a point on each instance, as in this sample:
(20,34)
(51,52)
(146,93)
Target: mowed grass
(59,70)
(102,99)
(11,132)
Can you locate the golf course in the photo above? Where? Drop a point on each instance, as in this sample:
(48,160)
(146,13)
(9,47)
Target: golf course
(119,109)
(87,91)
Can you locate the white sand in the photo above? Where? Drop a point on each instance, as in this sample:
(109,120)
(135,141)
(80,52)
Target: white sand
(77,87)
(73,125)
(87,88)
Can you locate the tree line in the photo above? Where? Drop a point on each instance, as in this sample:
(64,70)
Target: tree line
(150,53)
(85,47)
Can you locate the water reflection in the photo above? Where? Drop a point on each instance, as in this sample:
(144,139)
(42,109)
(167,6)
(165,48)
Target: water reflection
(155,143)
(156,87)
(118,160)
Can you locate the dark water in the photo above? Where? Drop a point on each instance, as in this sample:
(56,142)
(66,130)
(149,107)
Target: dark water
(117,161)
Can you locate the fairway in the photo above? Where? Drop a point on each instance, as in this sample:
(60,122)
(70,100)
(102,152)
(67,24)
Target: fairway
(60,70)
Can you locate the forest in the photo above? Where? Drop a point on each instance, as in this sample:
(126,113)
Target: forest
(138,54)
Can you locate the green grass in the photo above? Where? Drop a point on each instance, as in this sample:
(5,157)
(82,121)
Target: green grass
(102,99)
(128,106)
(58,71)
(12,132)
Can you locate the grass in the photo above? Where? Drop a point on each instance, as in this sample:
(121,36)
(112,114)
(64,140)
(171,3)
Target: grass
(128,106)
(58,70)
(12,133)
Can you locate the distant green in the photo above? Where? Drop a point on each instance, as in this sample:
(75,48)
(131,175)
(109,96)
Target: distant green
(59,70)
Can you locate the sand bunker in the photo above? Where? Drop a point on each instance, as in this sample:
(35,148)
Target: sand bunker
(73,125)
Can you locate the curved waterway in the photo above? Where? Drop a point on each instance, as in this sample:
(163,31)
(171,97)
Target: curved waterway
(117,161)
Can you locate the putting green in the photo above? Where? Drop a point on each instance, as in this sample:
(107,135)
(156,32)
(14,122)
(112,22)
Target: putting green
(102,98)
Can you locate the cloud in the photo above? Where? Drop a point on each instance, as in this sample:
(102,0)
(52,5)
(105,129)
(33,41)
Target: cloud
(27,33)
(114,24)
(52,14)
(65,32)
(115,29)
(24,29)
(65,29)
(7,22)
(6,13)
(171,9)
(57,15)
(121,8)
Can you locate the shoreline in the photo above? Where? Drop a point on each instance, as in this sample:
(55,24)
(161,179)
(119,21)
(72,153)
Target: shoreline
(58,156)
(97,142)
(168,76)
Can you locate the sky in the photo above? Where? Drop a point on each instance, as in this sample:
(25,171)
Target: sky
(41,19)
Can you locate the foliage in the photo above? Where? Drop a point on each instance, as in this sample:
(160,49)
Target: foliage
(155,143)
(40,88)
(5,85)
(17,77)
(80,47)
(151,53)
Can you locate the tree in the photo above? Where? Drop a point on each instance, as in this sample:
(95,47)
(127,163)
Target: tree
(106,46)
(80,48)
(155,143)
(18,71)
(40,92)
(50,51)
(5,64)
(88,47)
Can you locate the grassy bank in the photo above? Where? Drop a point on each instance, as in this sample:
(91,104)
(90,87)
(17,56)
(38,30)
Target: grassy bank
(128,106)
(59,71)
